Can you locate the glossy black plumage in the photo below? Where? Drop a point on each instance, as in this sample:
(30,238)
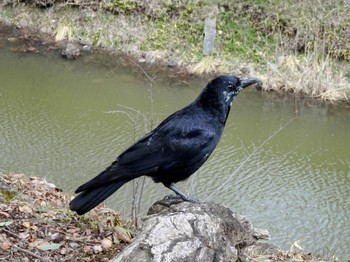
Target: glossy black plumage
(174,150)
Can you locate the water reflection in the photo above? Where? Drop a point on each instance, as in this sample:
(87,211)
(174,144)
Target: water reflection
(67,120)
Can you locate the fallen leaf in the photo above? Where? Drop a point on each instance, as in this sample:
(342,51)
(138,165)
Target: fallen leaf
(106,243)
(49,247)
(23,235)
(3,237)
(87,232)
(87,249)
(123,235)
(4,214)
(73,230)
(6,245)
(26,224)
(6,223)
(25,209)
(35,243)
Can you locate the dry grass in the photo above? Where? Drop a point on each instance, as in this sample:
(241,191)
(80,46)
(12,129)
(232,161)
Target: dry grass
(206,66)
(64,32)
(308,75)
(308,57)
(321,26)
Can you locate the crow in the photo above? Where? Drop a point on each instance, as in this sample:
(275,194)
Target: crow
(174,150)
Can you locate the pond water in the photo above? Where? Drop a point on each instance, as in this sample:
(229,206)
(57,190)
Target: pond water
(282,162)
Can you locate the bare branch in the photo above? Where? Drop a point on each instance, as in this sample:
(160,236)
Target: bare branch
(255,151)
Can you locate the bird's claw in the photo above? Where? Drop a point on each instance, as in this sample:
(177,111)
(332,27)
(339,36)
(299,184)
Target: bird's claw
(190,199)
(179,198)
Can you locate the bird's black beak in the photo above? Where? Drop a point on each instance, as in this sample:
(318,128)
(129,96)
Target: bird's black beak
(245,82)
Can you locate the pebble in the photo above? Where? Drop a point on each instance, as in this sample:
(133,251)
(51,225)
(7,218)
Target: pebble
(74,245)
(57,237)
(97,249)
(12,39)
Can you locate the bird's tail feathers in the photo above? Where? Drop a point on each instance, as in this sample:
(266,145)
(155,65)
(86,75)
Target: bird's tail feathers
(89,199)
(110,175)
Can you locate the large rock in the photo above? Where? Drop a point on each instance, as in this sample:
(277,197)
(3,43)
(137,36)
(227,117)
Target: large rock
(185,231)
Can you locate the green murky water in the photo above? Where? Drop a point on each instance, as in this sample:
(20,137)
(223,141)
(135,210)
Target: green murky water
(67,121)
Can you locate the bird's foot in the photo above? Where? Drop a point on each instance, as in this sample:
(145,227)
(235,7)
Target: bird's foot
(189,199)
(173,199)
(180,198)
(181,195)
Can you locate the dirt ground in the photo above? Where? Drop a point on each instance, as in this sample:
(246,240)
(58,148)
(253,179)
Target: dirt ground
(36,225)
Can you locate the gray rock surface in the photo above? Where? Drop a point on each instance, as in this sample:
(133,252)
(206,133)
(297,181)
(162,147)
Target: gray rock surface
(71,51)
(185,231)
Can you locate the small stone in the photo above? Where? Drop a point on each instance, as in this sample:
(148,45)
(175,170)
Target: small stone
(97,249)
(150,59)
(245,70)
(57,237)
(12,39)
(142,60)
(63,251)
(74,245)
(86,48)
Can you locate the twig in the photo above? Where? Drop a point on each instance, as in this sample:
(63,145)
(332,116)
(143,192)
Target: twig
(269,165)
(219,189)
(9,232)
(29,253)
(151,79)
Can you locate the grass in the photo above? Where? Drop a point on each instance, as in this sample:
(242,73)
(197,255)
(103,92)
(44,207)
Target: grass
(308,58)
(296,46)
(205,66)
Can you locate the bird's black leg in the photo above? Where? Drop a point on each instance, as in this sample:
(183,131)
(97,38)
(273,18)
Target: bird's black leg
(182,195)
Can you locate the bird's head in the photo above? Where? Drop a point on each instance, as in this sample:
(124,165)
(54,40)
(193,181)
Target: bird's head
(220,92)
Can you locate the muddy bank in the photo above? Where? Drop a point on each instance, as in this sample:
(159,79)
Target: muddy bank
(28,40)
(245,40)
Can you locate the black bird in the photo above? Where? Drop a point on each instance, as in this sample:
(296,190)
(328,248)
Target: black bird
(174,150)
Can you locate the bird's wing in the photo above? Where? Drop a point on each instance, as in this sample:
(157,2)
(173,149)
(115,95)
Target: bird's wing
(188,146)
(166,148)
(174,143)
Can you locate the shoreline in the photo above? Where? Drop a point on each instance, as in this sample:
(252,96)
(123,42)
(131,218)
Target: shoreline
(127,34)
(35,223)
